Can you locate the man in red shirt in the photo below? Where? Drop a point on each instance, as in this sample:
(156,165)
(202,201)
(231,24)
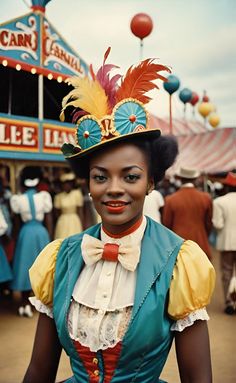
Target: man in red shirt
(188,212)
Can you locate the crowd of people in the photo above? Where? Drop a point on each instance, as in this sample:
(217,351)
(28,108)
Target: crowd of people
(37,214)
(31,218)
(208,218)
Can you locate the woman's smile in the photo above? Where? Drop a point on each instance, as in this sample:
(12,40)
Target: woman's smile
(116,207)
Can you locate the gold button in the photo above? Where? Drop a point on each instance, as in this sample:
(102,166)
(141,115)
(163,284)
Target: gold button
(95,360)
(96,372)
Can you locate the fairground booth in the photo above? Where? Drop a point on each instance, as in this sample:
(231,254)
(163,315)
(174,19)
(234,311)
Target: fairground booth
(35,60)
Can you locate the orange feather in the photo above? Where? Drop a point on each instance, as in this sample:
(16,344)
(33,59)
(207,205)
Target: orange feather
(138,81)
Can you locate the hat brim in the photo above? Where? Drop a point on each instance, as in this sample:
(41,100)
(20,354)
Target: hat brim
(181,175)
(78,160)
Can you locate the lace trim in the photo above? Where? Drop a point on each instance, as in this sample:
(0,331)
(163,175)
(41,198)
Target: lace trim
(181,324)
(40,307)
(97,329)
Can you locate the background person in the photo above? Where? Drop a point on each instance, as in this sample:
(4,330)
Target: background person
(116,295)
(33,208)
(153,205)
(5,270)
(224,220)
(68,207)
(188,211)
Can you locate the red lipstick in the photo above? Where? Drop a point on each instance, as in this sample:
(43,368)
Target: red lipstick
(115,207)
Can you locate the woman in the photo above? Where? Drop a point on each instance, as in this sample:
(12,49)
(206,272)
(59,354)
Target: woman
(32,208)
(116,295)
(5,270)
(68,207)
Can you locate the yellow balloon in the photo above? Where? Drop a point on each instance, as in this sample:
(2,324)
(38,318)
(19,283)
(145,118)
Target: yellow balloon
(214,120)
(205,108)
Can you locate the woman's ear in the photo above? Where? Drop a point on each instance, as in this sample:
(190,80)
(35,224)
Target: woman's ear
(150,186)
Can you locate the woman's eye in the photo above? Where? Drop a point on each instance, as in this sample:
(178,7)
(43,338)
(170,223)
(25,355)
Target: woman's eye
(132,177)
(99,178)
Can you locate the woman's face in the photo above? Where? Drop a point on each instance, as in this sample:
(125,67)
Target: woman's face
(118,184)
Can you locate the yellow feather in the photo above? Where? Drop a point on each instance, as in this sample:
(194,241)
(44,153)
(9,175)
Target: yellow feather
(87,95)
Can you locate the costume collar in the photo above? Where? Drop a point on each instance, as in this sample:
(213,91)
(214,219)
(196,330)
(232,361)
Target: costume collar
(187,185)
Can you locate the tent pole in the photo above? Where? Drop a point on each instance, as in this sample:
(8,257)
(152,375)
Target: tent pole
(10,92)
(40,97)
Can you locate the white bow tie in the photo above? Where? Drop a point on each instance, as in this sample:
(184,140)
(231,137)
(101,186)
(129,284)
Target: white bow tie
(94,249)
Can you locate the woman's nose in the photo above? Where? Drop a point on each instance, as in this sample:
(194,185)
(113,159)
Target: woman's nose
(115,187)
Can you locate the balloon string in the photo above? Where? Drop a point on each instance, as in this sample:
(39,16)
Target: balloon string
(141,49)
(170,111)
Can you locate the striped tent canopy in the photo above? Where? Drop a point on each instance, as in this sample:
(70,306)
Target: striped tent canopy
(208,150)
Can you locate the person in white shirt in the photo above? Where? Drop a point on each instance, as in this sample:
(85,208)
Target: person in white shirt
(153,204)
(224,220)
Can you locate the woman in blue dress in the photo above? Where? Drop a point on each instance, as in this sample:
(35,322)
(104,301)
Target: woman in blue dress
(31,207)
(5,270)
(115,296)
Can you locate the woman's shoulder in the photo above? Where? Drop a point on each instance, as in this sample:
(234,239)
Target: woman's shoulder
(193,281)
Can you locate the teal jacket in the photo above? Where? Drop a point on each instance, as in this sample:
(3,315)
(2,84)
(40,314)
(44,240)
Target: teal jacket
(148,339)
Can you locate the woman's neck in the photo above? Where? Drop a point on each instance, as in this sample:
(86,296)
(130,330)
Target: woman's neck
(125,232)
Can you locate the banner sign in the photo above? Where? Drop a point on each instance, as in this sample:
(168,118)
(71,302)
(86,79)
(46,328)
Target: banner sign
(31,41)
(55,136)
(19,40)
(19,135)
(27,136)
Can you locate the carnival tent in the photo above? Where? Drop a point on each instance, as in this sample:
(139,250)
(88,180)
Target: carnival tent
(206,149)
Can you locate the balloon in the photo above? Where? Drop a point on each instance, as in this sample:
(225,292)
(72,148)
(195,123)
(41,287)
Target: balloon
(194,99)
(185,95)
(214,120)
(205,98)
(172,84)
(205,108)
(141,25)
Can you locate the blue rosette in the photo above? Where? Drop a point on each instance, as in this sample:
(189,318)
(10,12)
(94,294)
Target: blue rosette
(88,132)
(128,115)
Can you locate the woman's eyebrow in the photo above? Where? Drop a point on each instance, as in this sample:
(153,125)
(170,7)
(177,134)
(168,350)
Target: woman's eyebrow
(125,169)
(98,168)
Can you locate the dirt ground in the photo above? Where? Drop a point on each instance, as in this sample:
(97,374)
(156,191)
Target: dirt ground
(17,334)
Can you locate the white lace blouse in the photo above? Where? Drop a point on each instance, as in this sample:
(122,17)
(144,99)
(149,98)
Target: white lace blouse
(101,307)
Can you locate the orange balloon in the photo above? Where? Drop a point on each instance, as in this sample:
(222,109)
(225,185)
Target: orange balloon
(214,120)
(205,108)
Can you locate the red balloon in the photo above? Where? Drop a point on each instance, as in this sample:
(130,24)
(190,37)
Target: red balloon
(141,25)
(205,98)
(194,99)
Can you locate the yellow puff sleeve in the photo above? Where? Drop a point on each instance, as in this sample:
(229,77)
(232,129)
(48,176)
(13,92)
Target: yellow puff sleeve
(42,272)
(193,281)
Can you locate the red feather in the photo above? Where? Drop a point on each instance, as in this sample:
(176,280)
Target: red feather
(138,81)
(92,72)
(106,54)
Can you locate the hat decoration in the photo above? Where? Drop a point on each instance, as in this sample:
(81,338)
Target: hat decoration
(105,111)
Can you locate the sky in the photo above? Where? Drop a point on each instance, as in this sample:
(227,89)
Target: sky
(196,38)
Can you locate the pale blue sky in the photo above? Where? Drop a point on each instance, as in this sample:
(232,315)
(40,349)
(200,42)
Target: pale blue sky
(195,37)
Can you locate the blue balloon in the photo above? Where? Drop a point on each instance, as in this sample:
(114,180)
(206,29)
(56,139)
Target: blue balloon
(172,84)
(185,95)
